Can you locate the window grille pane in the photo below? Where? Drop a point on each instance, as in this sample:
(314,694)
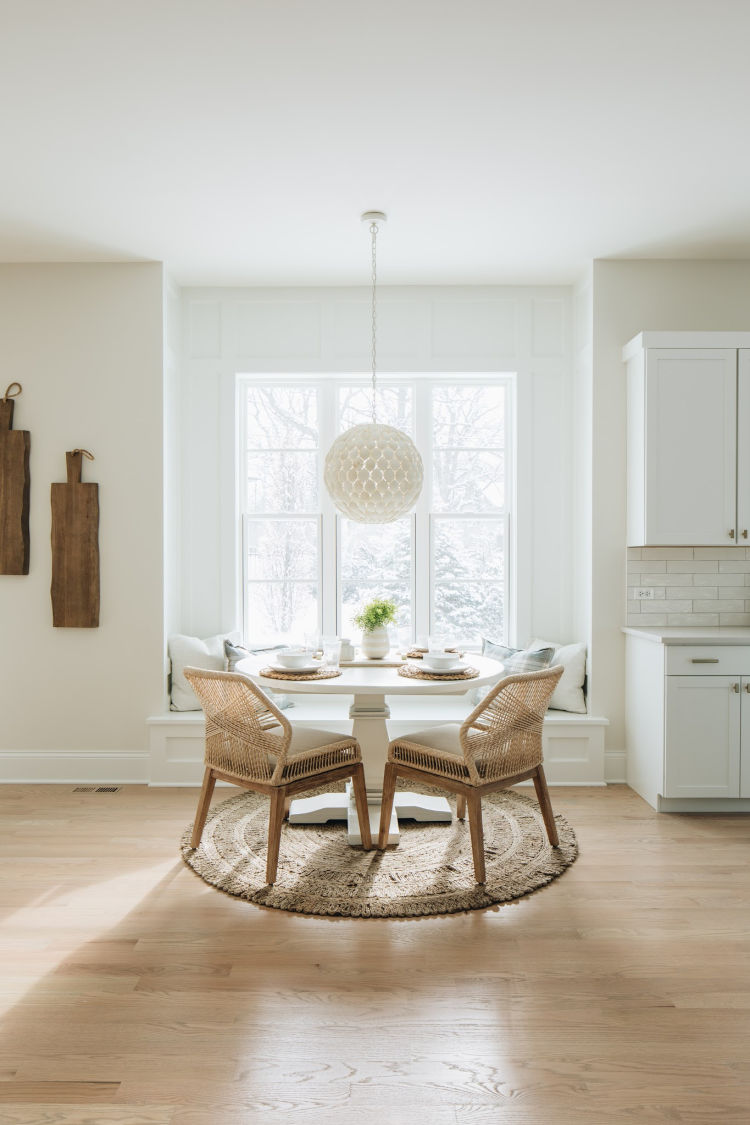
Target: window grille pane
(376,562)
(467,611)
(394,407)
(466,549)
(468,416)
(282,549)
(281,612)
(468,481)
(286,481)
(282,417)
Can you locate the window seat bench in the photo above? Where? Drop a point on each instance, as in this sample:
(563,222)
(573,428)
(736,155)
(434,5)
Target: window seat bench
(573,744)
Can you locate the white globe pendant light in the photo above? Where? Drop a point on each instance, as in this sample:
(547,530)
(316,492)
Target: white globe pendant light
(373,472)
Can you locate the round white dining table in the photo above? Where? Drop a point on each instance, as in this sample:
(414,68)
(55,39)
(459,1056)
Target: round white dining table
(370,682)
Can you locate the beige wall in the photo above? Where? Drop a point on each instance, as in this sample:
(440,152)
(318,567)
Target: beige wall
(630,297)
(86,343)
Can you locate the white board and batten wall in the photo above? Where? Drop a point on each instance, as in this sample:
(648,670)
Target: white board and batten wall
(523,331)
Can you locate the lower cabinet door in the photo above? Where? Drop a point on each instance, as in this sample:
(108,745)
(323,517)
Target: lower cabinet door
(703,736)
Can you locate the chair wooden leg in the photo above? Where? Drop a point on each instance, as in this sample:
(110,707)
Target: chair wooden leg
(275,821)
(474,802)
(207,792)
(287,806)
(461,806)
(542,796)
(386,806)
(360,796)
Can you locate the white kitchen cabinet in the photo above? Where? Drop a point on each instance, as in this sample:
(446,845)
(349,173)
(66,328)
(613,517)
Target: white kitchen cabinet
(702,736)
(688,439)
(688,719)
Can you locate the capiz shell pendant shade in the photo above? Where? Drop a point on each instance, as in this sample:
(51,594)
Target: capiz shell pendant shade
(374,473)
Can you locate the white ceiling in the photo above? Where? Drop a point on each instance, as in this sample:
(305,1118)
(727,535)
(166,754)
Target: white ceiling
(239,140)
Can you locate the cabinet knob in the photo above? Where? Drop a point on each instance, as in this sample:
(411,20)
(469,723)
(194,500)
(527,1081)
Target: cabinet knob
(736,687)
(747,687)
(744,533)
(731,534)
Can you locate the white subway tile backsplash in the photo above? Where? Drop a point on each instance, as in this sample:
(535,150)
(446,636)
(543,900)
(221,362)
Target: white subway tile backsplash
(717,579)
(729,606)
(697,593)
(682,606)
(692,619)
(716,552)
(667,553)
(692,586)
(695,567)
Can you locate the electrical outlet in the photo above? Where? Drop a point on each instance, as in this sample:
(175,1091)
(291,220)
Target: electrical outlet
(644,593)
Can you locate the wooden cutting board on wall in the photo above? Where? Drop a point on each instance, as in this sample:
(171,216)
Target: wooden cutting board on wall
(15,446)
(75,548)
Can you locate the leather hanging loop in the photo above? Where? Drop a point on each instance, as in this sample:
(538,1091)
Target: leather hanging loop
(85,453)
(10,393)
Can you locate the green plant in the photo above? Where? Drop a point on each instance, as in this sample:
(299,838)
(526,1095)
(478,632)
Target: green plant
(378,612)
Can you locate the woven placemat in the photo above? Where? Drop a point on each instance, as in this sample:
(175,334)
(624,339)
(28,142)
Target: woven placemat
(412,672)
(418,653)
(318,674)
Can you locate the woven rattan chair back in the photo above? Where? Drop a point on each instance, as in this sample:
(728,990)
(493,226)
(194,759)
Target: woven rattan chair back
(499,744)
(503,734)
(246,734)
(248,743)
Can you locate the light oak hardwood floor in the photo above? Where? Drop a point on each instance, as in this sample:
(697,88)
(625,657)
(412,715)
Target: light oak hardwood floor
(133,994)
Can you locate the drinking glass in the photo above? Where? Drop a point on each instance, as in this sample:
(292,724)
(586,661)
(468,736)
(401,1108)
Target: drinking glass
(331,652)
(436,642)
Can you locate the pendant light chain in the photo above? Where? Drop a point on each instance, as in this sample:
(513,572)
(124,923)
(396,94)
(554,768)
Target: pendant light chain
(374,235)
(373,472)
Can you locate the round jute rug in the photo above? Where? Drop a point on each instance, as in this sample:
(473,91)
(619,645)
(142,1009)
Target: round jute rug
(429,872)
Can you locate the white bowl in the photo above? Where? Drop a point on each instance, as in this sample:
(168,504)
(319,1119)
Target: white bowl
(292,659)
(440,661)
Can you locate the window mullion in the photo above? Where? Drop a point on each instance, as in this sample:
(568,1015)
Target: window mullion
(329,552)
(422,559)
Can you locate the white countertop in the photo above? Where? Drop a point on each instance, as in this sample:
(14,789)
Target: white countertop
(681,635)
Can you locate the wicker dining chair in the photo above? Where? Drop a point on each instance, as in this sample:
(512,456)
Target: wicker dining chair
(249,742)
(499,744)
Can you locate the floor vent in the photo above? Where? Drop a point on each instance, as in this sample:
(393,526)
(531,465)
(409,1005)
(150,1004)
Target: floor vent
(97,789)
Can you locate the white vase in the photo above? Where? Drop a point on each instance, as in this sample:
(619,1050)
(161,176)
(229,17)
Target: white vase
(375,643)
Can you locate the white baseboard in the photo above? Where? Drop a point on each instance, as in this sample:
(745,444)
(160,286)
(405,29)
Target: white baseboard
(615,767)
(80,768)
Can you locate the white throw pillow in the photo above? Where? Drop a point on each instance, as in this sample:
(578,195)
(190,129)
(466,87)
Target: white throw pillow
(192,652)
(568,695)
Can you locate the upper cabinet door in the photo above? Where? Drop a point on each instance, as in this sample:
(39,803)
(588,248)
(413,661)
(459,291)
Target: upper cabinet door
(743,448)
(691,447)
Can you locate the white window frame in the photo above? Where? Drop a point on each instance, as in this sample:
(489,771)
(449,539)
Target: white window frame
(422,518)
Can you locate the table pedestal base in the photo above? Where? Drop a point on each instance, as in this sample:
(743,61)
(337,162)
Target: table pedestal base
(342,806)
(369,714)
